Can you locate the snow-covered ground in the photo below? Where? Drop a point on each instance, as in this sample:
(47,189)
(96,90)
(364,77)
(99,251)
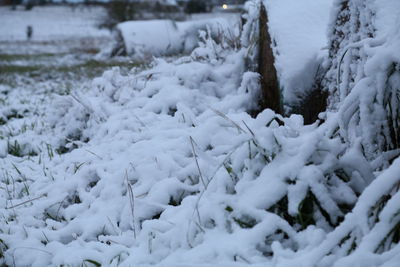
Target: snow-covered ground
(51,23)
(162,165)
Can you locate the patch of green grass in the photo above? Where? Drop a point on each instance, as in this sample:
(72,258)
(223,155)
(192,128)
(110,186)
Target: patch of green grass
(16,150)
(245,222)
(12,57)
(229,209)
(91,262)
(14,114)
(94,67)
(89,68)
(8,69)
(40,67)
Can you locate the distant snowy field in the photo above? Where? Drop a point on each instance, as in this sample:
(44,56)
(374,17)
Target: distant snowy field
(51,23)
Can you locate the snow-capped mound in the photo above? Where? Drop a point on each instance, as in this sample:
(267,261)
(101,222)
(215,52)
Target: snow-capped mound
(167,37)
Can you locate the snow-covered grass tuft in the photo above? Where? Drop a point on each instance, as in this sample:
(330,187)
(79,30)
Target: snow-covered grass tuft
(145,133)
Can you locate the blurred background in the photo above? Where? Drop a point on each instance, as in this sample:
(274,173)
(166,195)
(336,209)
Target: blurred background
(66,41)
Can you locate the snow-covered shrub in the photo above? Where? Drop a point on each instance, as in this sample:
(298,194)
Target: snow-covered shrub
(363,73)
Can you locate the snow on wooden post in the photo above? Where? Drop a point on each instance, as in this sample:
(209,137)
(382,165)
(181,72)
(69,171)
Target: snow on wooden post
(270,93)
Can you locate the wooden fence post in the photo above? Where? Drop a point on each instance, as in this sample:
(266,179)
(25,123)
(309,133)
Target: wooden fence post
(270,91)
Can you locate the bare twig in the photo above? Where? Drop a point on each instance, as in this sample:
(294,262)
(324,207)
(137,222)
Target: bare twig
(219,113)
(131,202)
(197,162)
(248,128)
(94,154)
(27,201)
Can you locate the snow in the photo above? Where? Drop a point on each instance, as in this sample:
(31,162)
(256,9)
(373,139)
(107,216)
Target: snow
(360,92)
(56,30)
(51,23)
(166,37)
(386,19)
(298,30)
(163,166)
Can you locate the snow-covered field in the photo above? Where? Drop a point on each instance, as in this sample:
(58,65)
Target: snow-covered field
(56,29)
(51,23)
(161,165)
(62,52)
